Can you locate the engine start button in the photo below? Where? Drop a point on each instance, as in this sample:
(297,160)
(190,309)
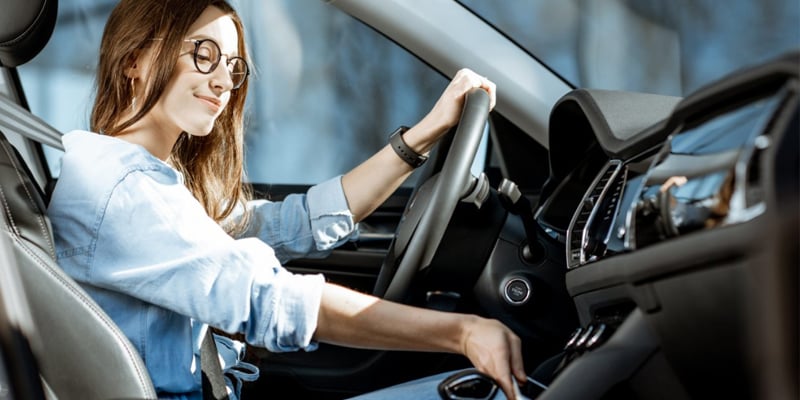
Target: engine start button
(517,291)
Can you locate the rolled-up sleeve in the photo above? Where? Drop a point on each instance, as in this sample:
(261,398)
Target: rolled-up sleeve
(156,243)
(303,225)
(331,219)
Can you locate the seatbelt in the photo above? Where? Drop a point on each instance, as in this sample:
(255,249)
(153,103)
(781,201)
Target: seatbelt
(14,118)
(213,383)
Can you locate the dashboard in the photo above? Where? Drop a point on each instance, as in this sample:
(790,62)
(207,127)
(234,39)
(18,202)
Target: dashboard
(702,177)
(678,220)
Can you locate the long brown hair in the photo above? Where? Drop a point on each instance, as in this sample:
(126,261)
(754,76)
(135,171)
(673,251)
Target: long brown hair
(213,164)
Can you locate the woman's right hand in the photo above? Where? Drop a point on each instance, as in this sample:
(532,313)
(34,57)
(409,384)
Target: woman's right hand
(494,350)
(350,318)
(447,110)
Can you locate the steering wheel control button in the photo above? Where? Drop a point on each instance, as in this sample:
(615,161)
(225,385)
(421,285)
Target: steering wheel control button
(517,291)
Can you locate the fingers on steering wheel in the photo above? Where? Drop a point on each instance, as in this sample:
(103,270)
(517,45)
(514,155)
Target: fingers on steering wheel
(473,80)
(492,89)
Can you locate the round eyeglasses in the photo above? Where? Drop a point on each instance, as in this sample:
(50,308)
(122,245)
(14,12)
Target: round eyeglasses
(207,56)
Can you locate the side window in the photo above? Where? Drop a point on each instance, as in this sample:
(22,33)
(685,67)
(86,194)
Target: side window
(326,90)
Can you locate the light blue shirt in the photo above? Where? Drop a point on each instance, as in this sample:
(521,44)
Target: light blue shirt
(128,230)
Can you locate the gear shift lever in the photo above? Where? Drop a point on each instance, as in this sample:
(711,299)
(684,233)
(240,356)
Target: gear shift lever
(473,384)
(468,384)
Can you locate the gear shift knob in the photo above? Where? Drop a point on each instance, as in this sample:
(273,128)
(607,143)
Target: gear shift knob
(467,384)
(473,384)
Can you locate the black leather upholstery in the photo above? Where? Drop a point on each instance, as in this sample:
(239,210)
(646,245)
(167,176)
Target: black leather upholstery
(83,354)
(25,27)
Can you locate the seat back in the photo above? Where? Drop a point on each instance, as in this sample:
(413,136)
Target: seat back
(82,354)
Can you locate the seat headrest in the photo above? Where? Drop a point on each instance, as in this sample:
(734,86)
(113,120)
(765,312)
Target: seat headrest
(25,27)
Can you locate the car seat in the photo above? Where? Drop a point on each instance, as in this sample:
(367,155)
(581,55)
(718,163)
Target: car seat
(83,354)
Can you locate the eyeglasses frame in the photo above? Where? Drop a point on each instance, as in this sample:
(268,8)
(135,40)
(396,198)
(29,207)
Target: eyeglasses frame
(214,65)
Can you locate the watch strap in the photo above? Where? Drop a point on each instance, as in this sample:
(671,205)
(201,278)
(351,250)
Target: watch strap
(402,149)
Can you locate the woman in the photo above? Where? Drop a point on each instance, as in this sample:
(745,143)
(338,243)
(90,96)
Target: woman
(151,217)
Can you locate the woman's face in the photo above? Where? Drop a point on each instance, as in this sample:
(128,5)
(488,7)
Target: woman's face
(192,100)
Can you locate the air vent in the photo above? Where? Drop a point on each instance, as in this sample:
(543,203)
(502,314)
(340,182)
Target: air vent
(596,210)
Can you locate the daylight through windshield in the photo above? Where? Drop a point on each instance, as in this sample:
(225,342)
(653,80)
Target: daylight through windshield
(654,46)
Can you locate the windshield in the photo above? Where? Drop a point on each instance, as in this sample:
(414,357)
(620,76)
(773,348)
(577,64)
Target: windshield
(655,46)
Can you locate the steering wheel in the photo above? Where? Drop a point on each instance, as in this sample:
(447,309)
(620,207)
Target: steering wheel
(428,212)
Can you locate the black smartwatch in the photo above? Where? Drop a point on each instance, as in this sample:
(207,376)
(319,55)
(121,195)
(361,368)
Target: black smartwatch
(400,147)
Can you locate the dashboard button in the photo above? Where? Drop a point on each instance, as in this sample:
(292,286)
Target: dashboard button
(573,339)
(597,337)
(517,291)
(581,343)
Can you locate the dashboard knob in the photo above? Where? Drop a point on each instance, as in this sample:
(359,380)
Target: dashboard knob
(598,337)
(581,343)
(573,338)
